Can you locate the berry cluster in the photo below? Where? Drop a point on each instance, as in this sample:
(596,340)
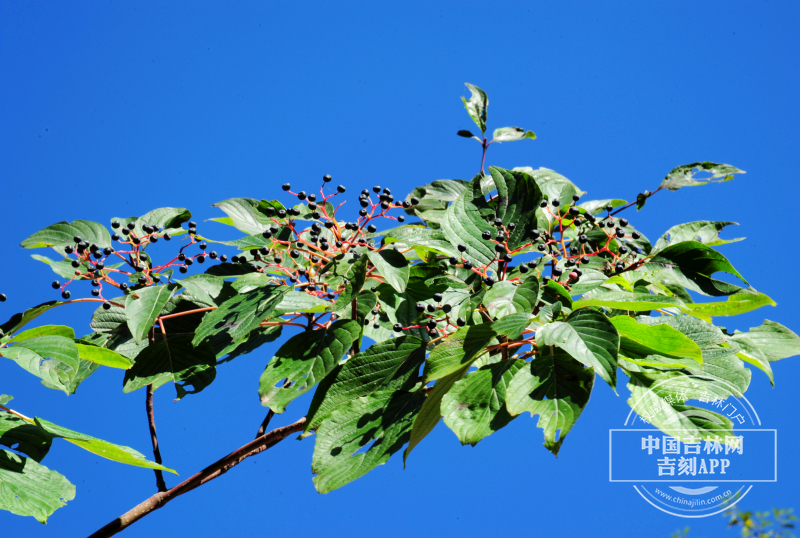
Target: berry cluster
(296,256)
(299,255)
(437,315)
(566,239)
(95,263)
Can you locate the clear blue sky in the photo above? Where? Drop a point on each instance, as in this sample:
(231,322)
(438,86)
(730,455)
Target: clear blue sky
(114,108)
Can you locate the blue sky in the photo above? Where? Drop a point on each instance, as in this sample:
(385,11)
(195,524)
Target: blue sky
(115,108)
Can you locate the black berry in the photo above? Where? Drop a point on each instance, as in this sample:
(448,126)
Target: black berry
(461,322)
(397,327)
(286,186)
(56,284)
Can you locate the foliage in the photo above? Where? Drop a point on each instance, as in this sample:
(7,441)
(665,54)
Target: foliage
(508,294)
(777,523)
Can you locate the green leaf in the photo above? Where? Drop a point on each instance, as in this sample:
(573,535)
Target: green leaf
(104,449)
(470,214)
(641,199)
(691,264)
(466,219)
(64,267)
(590,280)
(175,359)
(431,411)
(354,274)
(19,320)
(771,338)
(722,374)
(557,388)
(633,302)
(143,310)
(457,350)
(512,325)
(505,298)
(23,437)
(598,206)
(683,422)
(552,185)
(30,489)
(241,314)
(387,365)
(589,337)
(382,420)
(467,134)
(62,234)
(54,359)
(476,106)
(45,330)
(168,218)
(392,265)
(251,281)
(205,290)
(303,361)
(103,356)
(422,238)
(301,301)
(475,407)
(738,303)
(517,196)
(655,339)
(751,354)
(684,175)
(510,134)
(704,231)
(244,214)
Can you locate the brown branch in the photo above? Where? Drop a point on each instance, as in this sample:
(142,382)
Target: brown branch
(209,473)
(356,348)
(151,419)
(264,425)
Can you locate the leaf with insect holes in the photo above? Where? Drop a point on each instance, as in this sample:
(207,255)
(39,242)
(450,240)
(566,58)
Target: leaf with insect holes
(30,489)
(384,366)
(190,368)
(303,361)
(54,359)
(685,175)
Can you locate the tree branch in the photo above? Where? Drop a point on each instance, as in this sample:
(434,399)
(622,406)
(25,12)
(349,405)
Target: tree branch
(264,425)
(211,472)
(151,419)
